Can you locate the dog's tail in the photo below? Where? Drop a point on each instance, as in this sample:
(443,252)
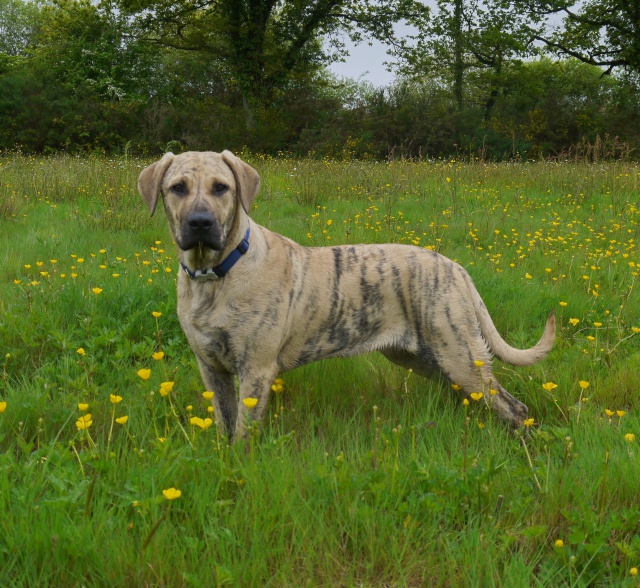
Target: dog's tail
(500,348)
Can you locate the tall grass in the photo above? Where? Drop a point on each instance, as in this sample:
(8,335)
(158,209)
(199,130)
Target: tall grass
(363,474)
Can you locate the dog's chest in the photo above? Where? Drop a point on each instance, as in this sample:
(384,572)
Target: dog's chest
(208,330)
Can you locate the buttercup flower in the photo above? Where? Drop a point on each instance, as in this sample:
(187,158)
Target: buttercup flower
(559,543)
(122,420)
(83,406)
(630,437)
(3,406)
(84,422)
(165,388)
(574,321)
(158,355)
(208,395)
(144,374)
(156,314)
(96,291)
(81,351)
(584,385)
(249,402)
(115,399)
(171,493)
(549,386)
(478,363)
(476,395)
(528,422)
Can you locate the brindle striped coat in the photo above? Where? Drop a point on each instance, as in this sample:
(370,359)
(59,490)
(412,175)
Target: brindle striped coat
(283,305)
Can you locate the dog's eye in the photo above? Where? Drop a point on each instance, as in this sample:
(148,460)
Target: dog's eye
(220,188)
(180,189)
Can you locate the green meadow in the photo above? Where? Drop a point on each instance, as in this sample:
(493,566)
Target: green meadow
(112,472)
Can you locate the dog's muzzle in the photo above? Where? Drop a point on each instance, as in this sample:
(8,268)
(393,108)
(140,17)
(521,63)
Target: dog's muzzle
(201,228)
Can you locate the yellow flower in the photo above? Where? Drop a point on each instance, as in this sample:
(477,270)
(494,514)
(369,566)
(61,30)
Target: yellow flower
(559,543)
(563,304)
(81,351)
(165,388)
(528,422)
(144,374)
(609,412)
(96,291)
(456,387)
(584,385)
(633,572)
(83,406)
(597,324)
(115,399)
(208,395)
(209,409)
(204,424)
(156,314)
(122,420)
(277,386)
(635,330)
(158,355)
(478,363)
(465,402)
(171,493)
(84,422)
(528,276)
(476,395)
(621,413)
(249,402)
(590,338)
(574,321)
(630,437)
(3,406)
(549,386)
(493,392)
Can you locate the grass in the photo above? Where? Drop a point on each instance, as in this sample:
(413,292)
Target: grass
(363,474)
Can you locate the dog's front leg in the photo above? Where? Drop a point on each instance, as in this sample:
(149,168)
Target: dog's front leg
(225,399)
(255,388)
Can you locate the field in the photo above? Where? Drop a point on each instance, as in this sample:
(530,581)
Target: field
(112,472)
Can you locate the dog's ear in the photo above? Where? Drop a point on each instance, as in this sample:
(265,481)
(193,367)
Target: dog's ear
(150,179)
(247,179)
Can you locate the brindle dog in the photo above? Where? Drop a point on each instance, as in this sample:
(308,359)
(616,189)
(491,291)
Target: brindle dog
(253,303)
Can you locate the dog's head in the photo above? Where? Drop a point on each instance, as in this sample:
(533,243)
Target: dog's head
(202,193)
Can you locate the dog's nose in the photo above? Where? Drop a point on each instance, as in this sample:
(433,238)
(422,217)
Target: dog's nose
(200,222)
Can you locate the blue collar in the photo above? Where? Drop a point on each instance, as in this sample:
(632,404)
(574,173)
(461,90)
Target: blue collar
(223,269)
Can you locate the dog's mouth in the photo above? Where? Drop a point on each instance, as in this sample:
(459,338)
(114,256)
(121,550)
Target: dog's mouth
(201,230)
(200,246)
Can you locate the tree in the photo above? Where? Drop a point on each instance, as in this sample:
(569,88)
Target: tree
(265,44)
(599,32)
(18,21)
(469,37)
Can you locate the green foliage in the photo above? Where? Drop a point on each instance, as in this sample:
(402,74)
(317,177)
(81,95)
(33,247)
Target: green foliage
(363,474)
(77,76)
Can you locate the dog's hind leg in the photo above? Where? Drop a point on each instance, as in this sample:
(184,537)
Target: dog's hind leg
(479,378)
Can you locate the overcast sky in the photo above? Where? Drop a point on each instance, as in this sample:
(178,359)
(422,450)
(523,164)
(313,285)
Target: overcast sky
(365,63)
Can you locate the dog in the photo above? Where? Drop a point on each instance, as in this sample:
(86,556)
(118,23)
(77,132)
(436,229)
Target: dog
(253,303)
